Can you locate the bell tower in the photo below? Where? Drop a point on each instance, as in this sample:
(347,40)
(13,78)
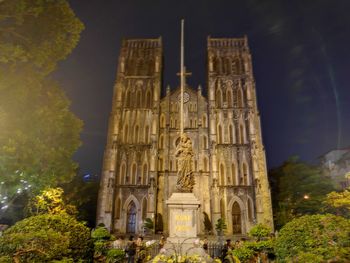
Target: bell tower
(127,188)
(239,177)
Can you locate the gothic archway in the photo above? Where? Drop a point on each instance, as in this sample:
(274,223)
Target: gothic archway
(131,218)
(236,219)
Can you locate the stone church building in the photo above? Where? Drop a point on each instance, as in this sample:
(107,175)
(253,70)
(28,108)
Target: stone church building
(140,169)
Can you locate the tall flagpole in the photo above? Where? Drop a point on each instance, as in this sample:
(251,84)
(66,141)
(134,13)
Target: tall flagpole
(182,74)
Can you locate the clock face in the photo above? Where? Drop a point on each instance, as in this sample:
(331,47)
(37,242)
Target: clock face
(186,97)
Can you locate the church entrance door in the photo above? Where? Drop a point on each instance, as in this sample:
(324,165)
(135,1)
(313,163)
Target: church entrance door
(131,218)
(236,219)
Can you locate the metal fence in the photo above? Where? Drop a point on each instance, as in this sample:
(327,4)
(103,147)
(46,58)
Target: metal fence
(215,249)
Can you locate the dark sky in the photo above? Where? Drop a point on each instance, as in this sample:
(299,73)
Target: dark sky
(301,62)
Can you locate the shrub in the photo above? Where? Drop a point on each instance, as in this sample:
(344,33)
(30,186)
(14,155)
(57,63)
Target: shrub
(115,255)
(260,231)
(220,226)
(326,236)
(100,233)
(148,224)
(45,238)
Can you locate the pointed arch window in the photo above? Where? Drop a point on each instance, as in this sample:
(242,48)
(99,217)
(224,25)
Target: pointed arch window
(162,121)
(218,98)
(131,218)
(127,99)
(245,174)
(136,134)
(222,174)
(233,172)
(217,65)
(117,208)
(161,141)
(220,139)
(145,174)
(138,99)
(230,130)
(235,66)
(239,98)
(236,219)
(241,134)
(205,142)
(229,98)
(144,208)
(122,173)
(227,66)
(133,173)
(125,139)
(148,99)
(147,134)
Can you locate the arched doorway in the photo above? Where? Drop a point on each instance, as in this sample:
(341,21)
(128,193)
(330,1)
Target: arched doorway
(131,218)
(236,219)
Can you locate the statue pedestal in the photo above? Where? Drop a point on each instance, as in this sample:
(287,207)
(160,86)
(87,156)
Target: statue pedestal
(183,227)
(183,216)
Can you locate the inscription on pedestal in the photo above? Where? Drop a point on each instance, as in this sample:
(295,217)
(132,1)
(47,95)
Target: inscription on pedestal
(183,215)
(182,223)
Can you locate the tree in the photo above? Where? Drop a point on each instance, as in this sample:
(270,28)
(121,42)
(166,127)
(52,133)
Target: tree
(39,133)
(83,195)
(47,237)
(339,202)
(220,226)
(50,201)
(208,227)
(256,250)
(36,33)
(148,224)
(314,238)
(298,189)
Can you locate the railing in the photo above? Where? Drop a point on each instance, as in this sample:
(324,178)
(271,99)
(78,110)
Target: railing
(215,249)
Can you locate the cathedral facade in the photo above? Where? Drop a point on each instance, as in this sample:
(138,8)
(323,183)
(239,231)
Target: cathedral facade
(140,169)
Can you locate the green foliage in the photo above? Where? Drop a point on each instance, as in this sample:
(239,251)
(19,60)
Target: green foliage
(259,231)
(47,237)
(148,224)
(39,134)
(250,249)
(5,259)
(115,255)
(207,223)
(339,202)
(50,201)
(299,189)
(326,236)
(220,226)
(83,195)
(37,32)
(243,253)
(100,233)
(159,222)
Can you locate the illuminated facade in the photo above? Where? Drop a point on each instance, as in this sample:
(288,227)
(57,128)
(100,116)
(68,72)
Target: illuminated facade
(140,170)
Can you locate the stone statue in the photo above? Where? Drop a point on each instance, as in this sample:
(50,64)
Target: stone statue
(184,154)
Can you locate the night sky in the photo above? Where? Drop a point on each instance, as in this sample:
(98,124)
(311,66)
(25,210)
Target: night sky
(301,62)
